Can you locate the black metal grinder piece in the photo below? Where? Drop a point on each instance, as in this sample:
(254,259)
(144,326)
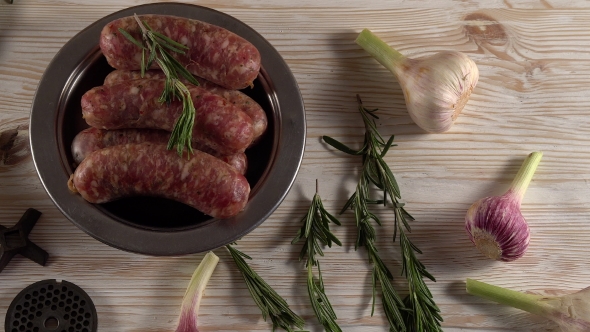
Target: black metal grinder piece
(51,306)
(15,240)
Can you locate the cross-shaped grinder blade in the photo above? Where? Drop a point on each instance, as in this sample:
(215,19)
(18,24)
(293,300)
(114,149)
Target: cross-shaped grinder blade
(15,240)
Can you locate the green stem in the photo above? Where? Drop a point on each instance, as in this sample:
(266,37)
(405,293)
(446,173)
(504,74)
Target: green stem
(200,278)
(385,54)
(525,174)
(189,310)
(527,302)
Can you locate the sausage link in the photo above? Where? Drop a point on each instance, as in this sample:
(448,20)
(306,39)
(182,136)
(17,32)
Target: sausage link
(134,104)
(145,169)
(214,53)
(238,98)
(92,139)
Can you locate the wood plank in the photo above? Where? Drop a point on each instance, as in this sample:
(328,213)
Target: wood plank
(533,58)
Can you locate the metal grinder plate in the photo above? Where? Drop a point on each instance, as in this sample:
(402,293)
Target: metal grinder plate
(51,306)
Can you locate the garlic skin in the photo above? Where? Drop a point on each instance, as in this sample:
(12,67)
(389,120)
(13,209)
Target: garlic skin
(572,311)
(495,224)
(436,88)
(497,228)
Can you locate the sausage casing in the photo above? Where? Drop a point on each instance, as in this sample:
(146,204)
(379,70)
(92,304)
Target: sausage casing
(92,139)
(146,169)
(237,98)
(134,104)
(214,53)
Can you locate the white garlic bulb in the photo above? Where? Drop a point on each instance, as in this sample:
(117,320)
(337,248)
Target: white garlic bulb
(436,88)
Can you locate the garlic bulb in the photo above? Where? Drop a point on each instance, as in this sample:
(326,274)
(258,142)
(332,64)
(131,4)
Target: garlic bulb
(436,88)
(495,224)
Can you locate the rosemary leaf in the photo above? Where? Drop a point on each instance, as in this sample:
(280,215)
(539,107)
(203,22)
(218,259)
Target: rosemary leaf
(169,43)
(150,60)
(387,146)
(341,146)
(131,39)
(182,131)
(266,298)
(143,60)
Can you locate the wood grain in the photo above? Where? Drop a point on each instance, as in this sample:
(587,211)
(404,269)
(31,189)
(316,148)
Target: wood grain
(534,62)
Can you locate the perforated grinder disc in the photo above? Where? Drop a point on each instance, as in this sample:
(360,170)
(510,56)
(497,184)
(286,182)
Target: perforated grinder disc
(51,306)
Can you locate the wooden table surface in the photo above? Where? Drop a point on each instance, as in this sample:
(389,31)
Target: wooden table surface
(532,95)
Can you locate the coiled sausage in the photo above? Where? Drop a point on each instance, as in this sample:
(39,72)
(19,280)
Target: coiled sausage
(201,180)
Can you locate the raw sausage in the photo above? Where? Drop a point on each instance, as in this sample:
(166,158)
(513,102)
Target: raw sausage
(238,98)
(134,104)
(214,53)
(92,139)
(201,180)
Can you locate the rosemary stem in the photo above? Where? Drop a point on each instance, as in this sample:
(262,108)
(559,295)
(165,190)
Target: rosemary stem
(143,29)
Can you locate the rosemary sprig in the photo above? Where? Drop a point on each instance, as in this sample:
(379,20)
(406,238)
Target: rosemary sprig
(270,303)
(156,47)
(316,231)
(366,237)
(420,312)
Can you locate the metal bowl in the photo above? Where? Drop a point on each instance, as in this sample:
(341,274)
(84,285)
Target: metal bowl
(150,225)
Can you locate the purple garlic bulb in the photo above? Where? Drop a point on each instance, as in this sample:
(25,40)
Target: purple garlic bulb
(495,224)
